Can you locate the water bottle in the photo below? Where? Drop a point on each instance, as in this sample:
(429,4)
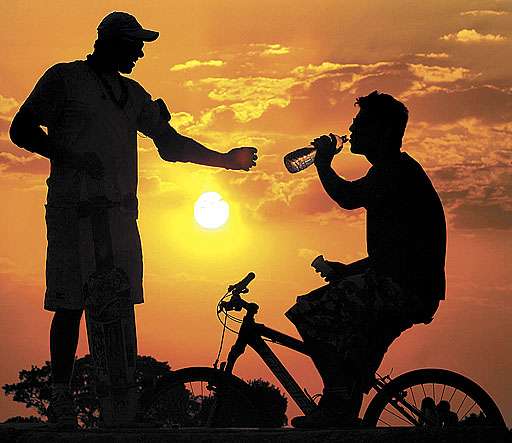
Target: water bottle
(303,157)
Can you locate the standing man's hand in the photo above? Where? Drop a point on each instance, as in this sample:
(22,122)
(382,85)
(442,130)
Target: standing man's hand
(241,158)
(326,149)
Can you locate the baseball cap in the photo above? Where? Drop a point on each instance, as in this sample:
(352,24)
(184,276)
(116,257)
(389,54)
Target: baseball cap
(124,25)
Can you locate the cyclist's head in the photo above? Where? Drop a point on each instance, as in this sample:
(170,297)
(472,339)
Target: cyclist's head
(380,124)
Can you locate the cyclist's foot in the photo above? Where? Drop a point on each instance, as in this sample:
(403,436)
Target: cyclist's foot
(62,412)
(322,418)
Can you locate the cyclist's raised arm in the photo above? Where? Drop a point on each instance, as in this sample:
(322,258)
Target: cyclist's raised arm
(348,194)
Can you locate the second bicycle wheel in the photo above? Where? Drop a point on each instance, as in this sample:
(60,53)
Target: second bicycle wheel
(201,397)
(432,397)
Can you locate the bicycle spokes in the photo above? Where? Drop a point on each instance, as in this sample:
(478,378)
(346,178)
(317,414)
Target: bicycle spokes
(431,404)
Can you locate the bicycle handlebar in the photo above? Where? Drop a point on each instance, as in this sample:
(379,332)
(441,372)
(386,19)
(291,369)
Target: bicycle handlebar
(236,303)
(242,284)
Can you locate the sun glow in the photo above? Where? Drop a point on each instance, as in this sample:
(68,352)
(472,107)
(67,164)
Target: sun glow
(211,211)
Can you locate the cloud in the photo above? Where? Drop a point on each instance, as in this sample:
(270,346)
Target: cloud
(472,36)
(4,128)
(244,88)
(484,216)
(32,164)
(302,90)
(192,64)
(476,191)
(435,55)
(483,12)
(485,103)
(247,98)
(7,104)
(181,120)
(327,84)
(316,70)
(436,94)
(438,74)
(264,49)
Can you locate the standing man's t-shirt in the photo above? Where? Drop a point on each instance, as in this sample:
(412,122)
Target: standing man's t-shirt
(88,112)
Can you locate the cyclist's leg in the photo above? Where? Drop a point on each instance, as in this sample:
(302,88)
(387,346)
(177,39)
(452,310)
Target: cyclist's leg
(343,325)
(332,324)
(342,391)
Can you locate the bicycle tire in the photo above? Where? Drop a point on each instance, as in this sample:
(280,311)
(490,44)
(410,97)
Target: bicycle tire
(201,397)
(429,378)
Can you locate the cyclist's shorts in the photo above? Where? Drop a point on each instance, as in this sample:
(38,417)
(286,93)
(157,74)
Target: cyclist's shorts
(70,255)
(358,316)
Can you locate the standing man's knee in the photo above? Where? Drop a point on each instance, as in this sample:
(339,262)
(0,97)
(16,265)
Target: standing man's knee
(67,317)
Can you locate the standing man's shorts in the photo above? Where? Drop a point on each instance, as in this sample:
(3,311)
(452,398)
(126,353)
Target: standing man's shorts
(70,254)
(358,317)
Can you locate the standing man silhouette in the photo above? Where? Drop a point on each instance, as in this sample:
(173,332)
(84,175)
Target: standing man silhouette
(349,324)
(92,114)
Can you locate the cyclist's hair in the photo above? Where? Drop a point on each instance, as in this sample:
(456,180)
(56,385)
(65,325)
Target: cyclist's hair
(388,110)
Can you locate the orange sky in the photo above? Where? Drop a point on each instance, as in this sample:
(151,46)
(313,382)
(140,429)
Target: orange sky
(274,74)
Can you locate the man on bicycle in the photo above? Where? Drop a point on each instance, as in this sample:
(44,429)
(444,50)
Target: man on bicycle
(349,324)
(92,115)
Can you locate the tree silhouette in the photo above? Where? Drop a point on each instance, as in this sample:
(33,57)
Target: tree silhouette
(33,390)
(271,403)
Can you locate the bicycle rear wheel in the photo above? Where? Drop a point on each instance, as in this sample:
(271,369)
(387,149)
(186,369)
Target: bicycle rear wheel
(432,397)
(201,397)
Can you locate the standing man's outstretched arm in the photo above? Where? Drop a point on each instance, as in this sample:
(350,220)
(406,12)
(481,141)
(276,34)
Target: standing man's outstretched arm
(175,147)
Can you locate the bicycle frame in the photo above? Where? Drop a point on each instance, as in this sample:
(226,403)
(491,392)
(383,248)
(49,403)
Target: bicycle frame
(254,334)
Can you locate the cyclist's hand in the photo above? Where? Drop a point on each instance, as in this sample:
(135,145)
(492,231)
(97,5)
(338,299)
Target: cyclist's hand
(326,149)
(339,271)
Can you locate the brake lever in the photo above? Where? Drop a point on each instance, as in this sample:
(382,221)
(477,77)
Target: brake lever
(231,305)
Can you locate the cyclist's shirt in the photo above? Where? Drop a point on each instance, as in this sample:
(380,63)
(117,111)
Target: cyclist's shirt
(406,231)
(84,112)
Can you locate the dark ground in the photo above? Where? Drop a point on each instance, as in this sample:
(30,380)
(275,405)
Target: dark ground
(35,433)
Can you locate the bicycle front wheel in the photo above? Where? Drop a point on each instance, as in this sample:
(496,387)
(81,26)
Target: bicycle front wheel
(201,397)
(432,397)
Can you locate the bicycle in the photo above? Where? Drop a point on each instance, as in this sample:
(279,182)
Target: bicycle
(215,397)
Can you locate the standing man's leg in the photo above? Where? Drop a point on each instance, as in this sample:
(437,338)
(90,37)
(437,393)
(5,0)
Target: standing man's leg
(64,333)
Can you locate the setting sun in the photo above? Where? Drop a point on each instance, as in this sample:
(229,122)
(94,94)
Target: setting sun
(211,211)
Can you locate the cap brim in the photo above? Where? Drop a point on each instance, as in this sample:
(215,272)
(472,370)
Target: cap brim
(146,35)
